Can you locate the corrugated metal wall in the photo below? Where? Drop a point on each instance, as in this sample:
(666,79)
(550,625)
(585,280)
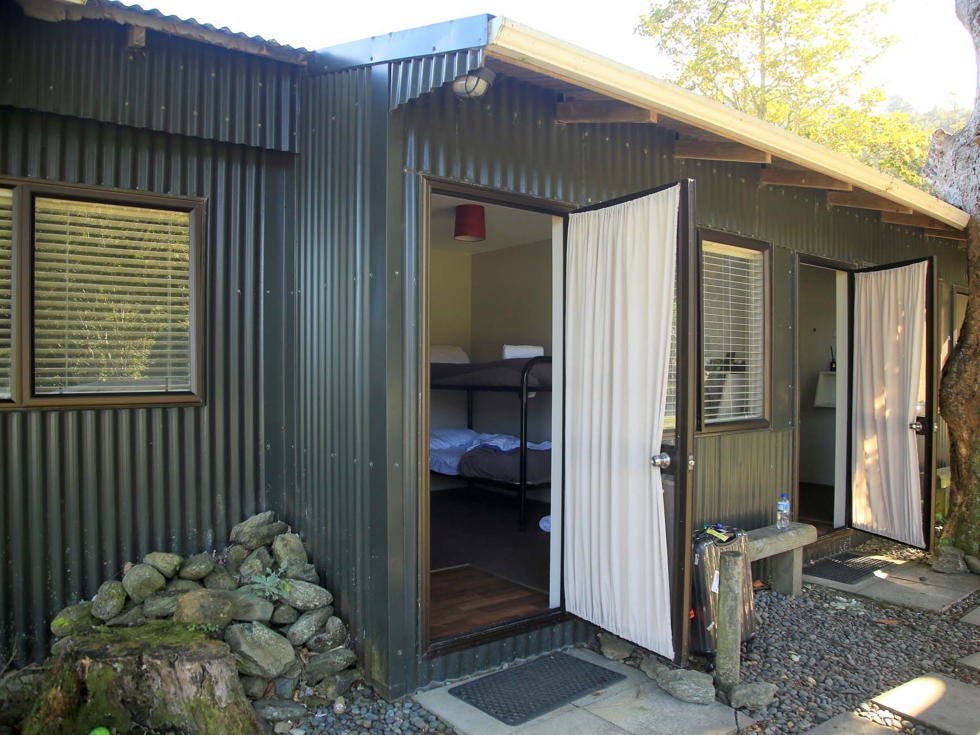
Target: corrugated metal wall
(509,141)
(81,492)
(340,431)
(84,69)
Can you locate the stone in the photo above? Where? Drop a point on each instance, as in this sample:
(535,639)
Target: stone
(305,572)
(141,581)
(211,608)
(278,710)
(259,530)
(18,691)
(947,550)
(305,596)
(284,615)
(972,563)
(652,666)
(288,550)
(613,647)
(128,618)
(165,563)
(753,696)
(161,605)
(109,600)
(284,686)
(687,685)
(322,665)
(220,579)
(309,624)
(338,684)
(255,686)
(234,556)
(259,651)
(249,606)
(334,634)
(197,567)
(73,619)
(258,563)
(950,564)
(183,585)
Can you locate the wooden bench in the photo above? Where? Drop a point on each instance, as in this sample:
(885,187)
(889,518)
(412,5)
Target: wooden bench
(785,548)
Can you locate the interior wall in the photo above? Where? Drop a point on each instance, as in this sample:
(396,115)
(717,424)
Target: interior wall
(450,299)
(511,299)
(817,313)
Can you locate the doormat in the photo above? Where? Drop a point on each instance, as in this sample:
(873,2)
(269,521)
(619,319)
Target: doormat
(523,692)
(846,568)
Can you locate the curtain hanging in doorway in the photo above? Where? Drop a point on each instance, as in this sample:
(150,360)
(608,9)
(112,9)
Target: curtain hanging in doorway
(889,324)
(620,292)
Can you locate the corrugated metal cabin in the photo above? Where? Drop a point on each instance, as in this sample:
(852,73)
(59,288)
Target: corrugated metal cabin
(314,194)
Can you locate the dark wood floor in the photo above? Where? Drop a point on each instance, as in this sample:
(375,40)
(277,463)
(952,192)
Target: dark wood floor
(465,598)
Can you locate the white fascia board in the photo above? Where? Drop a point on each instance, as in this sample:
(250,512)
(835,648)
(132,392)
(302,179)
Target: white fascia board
(539,52)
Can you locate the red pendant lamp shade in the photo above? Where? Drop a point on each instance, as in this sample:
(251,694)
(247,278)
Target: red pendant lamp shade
(471,226)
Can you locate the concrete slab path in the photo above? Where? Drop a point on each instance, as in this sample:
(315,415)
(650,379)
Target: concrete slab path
(848,723)
(936,701)
(633,706)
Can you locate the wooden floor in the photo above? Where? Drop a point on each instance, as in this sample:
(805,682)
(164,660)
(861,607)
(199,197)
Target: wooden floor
(464,598)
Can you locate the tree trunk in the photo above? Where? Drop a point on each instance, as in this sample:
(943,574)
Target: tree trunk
(953,168)
(154,678)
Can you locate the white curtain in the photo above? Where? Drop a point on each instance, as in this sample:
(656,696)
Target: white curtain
(620,291)
(889,323)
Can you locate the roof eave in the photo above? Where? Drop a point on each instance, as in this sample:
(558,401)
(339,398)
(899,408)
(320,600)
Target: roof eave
(540,52)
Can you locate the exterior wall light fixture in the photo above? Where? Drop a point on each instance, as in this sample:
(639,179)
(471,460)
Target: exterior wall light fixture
(473,84)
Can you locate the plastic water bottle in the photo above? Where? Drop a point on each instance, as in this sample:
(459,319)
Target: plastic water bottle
(782,511)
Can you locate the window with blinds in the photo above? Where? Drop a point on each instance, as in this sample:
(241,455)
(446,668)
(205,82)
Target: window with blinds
(111,298)
(733,293)
(6,291)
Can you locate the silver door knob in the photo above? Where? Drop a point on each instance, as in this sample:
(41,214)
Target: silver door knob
(661,461)
(916,426)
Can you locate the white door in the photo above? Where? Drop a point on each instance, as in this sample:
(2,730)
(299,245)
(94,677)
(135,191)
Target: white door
(620,279)
(890,396)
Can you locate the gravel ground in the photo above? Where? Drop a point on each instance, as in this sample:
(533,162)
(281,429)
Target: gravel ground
(827,651)
(830,652)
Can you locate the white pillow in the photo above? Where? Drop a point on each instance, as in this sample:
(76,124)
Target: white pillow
(450,437)
(448,353)
(511,352)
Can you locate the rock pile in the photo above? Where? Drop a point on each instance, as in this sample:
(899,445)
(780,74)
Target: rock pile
(261,595)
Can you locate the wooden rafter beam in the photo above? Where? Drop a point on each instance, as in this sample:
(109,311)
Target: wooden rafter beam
(914,220)
(945,233)
(859,199)
(719,151)
(606,111)
(801,177)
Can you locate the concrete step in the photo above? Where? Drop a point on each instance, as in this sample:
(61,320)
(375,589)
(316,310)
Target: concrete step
(936,701)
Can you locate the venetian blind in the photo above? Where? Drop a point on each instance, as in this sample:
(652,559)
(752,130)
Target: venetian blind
(111,298)
(6,276)
(733,332)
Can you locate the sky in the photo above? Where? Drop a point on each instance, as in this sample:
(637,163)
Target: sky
(932,65)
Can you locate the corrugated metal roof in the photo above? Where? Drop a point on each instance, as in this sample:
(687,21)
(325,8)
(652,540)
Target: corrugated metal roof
(137,16)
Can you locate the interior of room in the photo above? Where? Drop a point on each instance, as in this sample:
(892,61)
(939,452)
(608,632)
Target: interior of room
(490,325)
(823,414)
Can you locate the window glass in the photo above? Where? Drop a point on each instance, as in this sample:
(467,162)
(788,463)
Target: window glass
(6,280)
(111,298)
(733,293)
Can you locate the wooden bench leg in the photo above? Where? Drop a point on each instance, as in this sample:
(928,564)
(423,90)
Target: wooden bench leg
(787,572)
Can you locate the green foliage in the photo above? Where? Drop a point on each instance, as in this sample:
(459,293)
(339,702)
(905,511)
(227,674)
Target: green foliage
(797,64)
(270,585)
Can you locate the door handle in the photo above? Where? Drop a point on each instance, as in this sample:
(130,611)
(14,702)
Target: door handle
(919,425)
(660,461)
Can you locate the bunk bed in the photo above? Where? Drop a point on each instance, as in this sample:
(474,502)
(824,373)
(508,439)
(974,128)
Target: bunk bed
(498,460)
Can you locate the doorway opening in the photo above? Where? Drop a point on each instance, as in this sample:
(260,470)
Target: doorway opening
(492,400)
(822,298)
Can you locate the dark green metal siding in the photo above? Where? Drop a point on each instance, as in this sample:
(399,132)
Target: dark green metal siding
(85,69)
(509,141)
(83,491)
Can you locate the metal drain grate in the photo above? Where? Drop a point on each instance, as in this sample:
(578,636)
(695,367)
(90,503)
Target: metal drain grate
(846,568)
(523,692)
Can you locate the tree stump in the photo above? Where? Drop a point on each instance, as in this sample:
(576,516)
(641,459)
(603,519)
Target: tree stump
(160,677)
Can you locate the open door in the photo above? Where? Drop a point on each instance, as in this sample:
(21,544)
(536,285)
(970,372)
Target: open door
(892,409)
(628,410)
